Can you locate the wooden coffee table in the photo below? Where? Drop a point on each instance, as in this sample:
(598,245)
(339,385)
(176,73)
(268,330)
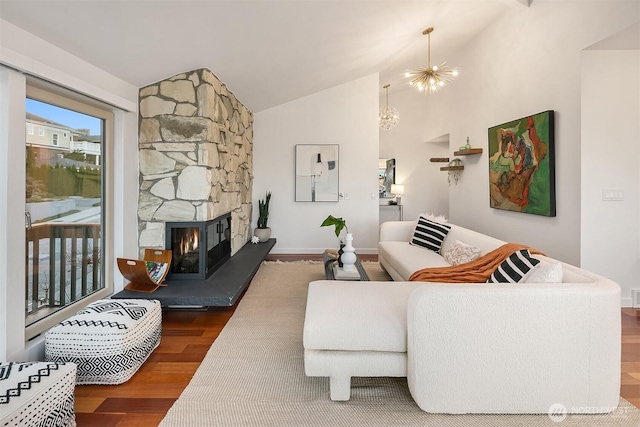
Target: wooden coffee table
(328,268)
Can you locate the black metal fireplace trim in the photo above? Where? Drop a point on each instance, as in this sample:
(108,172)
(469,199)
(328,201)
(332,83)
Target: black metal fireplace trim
(204,272)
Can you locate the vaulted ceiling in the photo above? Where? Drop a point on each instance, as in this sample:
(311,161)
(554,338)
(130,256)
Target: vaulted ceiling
(267,52)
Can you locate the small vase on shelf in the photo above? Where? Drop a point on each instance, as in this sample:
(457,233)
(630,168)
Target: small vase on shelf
(348,257)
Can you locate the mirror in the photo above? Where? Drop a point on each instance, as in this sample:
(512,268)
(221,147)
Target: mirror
(386,177)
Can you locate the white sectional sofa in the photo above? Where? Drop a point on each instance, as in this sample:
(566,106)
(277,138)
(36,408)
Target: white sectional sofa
(401,260)
(469,348)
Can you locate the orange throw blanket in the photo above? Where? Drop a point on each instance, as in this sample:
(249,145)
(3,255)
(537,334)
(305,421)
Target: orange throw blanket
(476,271)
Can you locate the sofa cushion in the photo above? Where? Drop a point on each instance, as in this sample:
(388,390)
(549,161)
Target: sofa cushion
(573,274)
(407,259)
(357,316)
(460,253)
(515,268)
(471,237)
(429,234)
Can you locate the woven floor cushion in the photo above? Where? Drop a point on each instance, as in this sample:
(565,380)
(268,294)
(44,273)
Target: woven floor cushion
(37,394)
(109,339)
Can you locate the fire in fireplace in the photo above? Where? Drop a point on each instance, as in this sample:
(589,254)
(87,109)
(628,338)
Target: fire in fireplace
(198,248)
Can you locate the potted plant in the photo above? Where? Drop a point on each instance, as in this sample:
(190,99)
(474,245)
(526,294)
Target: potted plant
(263,232)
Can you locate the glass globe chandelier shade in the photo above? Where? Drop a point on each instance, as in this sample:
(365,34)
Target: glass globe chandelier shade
(431,78)
(389,116)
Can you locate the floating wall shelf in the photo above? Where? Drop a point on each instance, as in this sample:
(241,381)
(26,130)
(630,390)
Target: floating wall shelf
(469,152)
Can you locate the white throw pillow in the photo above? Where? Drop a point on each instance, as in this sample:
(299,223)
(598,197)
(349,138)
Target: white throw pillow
(460,253)
(545,272)
(435,218)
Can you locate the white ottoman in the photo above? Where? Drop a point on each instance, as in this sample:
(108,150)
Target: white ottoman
(355,329)
(37,394)
(109,339)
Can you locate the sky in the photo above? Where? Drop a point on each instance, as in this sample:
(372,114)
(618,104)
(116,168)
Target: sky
(63,116)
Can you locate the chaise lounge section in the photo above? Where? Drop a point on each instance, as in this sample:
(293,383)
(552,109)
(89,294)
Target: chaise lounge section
(474,347)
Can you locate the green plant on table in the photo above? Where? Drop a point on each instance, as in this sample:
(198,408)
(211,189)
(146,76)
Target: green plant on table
(339,223)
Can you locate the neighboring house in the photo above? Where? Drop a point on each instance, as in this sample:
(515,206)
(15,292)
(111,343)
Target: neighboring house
(91,150)
(51,140)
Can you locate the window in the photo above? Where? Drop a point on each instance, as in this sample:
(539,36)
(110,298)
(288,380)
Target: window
(68,263)
(30,129)
(64,135)
(41,131)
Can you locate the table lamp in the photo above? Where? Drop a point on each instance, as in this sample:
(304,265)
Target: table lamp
(397,190)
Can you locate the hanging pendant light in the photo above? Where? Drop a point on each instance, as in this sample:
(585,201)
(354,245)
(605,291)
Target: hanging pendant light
(389,116)
(431,79)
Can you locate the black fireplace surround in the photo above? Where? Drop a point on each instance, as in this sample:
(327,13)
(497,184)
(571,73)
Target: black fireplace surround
(198,247)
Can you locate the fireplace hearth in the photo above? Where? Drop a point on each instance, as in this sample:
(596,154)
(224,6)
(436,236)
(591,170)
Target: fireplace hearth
(198,247)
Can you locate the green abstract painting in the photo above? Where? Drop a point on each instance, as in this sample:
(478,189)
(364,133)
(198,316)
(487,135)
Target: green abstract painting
(522,165)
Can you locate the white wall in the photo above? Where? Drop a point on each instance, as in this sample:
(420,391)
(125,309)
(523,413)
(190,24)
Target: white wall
(526,62)
(344,115)
(610,160)
(37,57)
(426,188)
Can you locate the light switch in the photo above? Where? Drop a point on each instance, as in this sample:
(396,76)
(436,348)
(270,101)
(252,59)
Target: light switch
(613,194)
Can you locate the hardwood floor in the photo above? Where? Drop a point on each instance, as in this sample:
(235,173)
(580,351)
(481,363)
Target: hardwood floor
(630,377)
(187,335)
(145,399)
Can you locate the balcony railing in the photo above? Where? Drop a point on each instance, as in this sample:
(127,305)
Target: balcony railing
(87,147)
(63,265)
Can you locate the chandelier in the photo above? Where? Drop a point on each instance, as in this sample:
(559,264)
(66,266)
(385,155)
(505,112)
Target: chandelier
(389,116)
(430,79)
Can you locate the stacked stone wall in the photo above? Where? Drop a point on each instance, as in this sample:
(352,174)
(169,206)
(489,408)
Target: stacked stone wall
(196,156)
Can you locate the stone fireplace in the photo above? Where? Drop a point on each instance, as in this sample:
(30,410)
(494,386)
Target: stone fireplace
(195,149)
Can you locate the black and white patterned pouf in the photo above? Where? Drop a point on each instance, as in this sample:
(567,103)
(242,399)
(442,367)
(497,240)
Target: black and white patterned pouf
(37,394)
(109,339)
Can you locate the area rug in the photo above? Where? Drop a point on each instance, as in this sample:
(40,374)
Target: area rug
(253,374)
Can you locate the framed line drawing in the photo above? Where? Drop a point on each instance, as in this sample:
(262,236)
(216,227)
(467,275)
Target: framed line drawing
(522,165)
(317,173)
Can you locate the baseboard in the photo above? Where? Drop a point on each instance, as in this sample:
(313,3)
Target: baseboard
(627,302)
(307,251)
(313,257)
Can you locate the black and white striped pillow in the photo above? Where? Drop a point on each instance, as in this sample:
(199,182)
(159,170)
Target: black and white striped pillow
(515,268)
(429,234)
